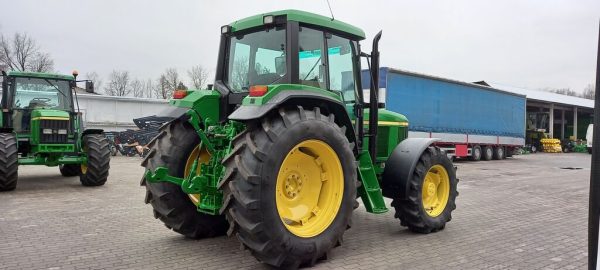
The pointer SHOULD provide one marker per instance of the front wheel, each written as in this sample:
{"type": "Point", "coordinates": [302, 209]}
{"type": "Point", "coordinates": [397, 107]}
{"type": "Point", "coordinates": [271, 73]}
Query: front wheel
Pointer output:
{"type": "Point", "coordinates": [432, 194]}
{"type": "Point", "coordinates": [9, 162]}
{"type": "Point", "coordinates": [95, 171]}
{"type": "Point", "coordinates": [290, 187]}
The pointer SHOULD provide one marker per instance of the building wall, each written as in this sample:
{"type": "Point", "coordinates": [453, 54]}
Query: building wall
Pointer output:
{"type": "Point", "coordinates": [117, 113]}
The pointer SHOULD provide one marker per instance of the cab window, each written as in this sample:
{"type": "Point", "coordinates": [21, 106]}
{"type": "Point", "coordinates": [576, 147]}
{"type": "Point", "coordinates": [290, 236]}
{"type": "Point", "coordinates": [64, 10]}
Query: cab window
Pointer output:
{"type": "Point", "coordinates": [340, 52]}
{"type": "Point", "coordinates": [311, 69]}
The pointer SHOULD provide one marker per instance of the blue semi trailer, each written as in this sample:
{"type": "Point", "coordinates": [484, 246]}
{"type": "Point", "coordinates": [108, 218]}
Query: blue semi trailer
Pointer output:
{"type": "Point", "coordinates": [471, 120]}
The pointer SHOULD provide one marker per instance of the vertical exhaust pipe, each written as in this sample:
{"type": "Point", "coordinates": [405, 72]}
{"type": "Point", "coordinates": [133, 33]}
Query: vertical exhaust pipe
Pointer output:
{"type": "Point", "coordinates": [594, 207]}
{"type": "Point", "coordinates": [374, 97]}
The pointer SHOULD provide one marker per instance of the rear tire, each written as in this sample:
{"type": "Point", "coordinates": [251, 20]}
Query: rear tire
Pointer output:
{"type": "Point", "coordinates": [68, 170]}
{"type": "Point", "coordinates": [95, 172]}
{"type": "Point", "coordinates": [171, 148]}
{"type": "Point", "coordinates": [9, 162]}
{"type": "Point", "coordinates": [251, 187]}
{"type": "Point", "coordinates": [498, 153]}
{"type": "Point", "coordinates": [411, 211]}
{"type": "Point", "coordinates": [488, 153]}
{"type": "Point", "coordinates": [475, 153]}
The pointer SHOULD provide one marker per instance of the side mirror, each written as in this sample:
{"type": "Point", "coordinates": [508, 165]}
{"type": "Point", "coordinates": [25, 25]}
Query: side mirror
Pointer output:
{"type": "Point", "coordinates": [89, 86]}
{"type": "Point", "coordinates": [280, 65]}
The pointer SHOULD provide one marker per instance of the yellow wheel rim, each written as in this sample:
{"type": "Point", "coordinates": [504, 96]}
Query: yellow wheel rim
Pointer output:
{"type": "Point", "coordinates": [309, 189]}
{"type": "Point", "coordinates": [83, 168]}
{"type": "Point", "coordinates": [201, 154]}
{"type": "Point", "coordinates": [436, 190]}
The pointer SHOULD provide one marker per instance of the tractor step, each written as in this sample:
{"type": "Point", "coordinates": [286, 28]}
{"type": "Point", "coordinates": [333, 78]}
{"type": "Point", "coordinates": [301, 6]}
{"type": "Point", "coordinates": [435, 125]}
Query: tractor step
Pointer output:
{"type": "Point", "coordinates": [369, 191]}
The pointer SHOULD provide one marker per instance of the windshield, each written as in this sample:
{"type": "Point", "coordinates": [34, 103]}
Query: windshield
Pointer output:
{"type": "Point", "coordinates": [38, 93]}
{"type": "Point", "coordinates": [256, 59]}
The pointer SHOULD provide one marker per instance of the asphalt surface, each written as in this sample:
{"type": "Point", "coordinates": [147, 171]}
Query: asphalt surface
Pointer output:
{"type": "Point", "coordinates": [526, 212]}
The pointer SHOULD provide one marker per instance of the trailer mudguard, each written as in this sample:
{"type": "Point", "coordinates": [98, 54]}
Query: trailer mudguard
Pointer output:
{"type": "Point", "coordinates": [401, 164]}
{"type": "Point", "coordinates": [293, 98]}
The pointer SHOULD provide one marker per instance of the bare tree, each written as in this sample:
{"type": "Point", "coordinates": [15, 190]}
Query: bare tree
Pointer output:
{"type": "Point", "coordinates": [118, 84]}
{"type": "Point", "coordinates": [23, 54]}
{"type": "Point", "coordinates": [161, 90]}
{"type": "Point", "coordinates": [94, 77]}
{"type": "Point", "coordinates": [199, 76]}
{"type": "Point", "coordinates": [149, 89]}
{"type": "Point", "coordinates": [562, 91]}
{"type": "Point", "coordinates": [589, 91]}
{"type": "Point", "coordinates": [167, 83]}
{"type": "Point", "coordinates": [137, 88]}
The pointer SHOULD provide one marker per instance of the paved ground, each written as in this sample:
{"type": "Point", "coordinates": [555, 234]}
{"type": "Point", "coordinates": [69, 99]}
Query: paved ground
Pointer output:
{"type": "Point", "coordinates": [521, 213]}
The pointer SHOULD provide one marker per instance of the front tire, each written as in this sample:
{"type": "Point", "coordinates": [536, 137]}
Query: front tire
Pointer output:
{"type": "Point", "coordinates": [308, 154]}
{"type": "Point", "coordinates": [171, 148]}
{"type": "Point", "coordinates": [432, 194]}
{"type": "Point", "coordinates": [95, 171]}
{"type": "Point", "coordinates": [498, 153]}
{"type": "Point", "coordinates": [9, 162]}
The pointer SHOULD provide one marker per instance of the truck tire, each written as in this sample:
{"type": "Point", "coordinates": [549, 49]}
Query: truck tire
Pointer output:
{"type": "Point", "coordinates": [498, 153]}
{"type": "Point", "coordinates": [172, 148]}
{"type": "Point", "coordinates": [488, 153]}
{"type": "Point", "coordinates": [95, 172]}
{"type": "Point", "coordinates": [273, 169]}
{"type": "Point", "coordinates": [69, 170]}
{"type": "Point", "coordinates": [429, 205]}
{"type": "Point", "coordinates": [475, 153]}
{"type": "Point", "coordinates": [9, 162]}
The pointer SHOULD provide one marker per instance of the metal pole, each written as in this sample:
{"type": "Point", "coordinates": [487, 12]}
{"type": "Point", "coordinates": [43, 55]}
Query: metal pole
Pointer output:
{"type": "Point", "coordinates": [594, 207]}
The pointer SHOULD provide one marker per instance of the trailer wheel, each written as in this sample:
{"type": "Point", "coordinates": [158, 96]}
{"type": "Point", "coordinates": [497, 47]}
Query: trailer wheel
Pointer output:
{"type": "Point", "coordinates": [176, 147]}
{"type": "Point", "coordinates": [475, 153]}
{"type": "Point", "coordinates": [9, 162]}
{"type": "Point", "coordinates": [95, 171]}
{"type": "Point", "coordinates": [432, 194]}
{"type": "Point", "coordinates": [290, 187]}
{"type": "Point", "coordinates": [488, 153]}
{"type": "Point", "coordinates": [498, 153]}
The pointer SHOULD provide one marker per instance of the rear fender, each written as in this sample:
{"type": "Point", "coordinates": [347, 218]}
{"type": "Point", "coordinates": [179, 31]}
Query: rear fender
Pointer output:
{"type": "Point", "coordinates": [306, 99]}
{"type": "Point", "coordinates": [401, 164]}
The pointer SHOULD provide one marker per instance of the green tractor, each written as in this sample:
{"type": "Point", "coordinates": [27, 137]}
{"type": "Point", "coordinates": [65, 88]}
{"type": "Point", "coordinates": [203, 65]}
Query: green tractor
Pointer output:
{"type": "Point", "coordinates": [40, 126]}
{"type": "Point", "coordinates": [278, 150]}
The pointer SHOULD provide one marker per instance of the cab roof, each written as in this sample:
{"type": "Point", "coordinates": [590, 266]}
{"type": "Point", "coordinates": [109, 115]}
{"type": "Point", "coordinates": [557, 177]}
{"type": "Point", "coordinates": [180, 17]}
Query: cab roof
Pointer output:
{"type": "Point", "coordinates": [302, 17]}
{"type": "Point", "coordinates": [42, 75]}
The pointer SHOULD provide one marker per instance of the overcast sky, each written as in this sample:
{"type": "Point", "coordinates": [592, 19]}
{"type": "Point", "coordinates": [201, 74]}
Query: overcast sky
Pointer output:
{"type": "Point", "coordinates": [532, 44]}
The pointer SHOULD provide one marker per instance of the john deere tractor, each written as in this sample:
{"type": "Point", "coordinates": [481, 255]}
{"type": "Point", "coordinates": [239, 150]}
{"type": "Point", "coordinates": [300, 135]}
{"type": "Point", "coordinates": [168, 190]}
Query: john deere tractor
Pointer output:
{"type": "Point", "coordinates": [280, 148]}
{"type": "Point", "coordinates": [39, 125]}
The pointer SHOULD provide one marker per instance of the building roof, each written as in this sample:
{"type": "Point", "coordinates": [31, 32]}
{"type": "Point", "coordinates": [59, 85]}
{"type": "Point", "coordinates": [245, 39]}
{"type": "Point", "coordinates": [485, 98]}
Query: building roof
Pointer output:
{"type": "Point", "coordinates": [544, 96]}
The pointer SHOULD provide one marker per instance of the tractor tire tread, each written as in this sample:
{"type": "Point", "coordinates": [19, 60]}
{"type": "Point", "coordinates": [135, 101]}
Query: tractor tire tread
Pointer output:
{"type": "Point", "coordinates": [9, 162]}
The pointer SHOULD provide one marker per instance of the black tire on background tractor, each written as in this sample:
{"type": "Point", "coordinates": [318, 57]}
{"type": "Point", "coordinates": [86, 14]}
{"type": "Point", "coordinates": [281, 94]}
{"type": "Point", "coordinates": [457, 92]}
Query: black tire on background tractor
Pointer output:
{"type": "Point", "coordinates": [69, 170]}
{"type": "Point", "coordinates": [498, 152]}
{"type": "Point", "coordinates": [487, 153]}
{"type": "Point", "coordinates": [411, 211]}
{"type": "Point", "coordinates": [475, 153]}
{"type": "Point", "coordinates": [171, 149]}
{"type": "Point", "coordinates": [95, 173]}
{"type": "Point", "coordinates": [255, 180]}
{"type": "Point", "coordinates": [9, 162]}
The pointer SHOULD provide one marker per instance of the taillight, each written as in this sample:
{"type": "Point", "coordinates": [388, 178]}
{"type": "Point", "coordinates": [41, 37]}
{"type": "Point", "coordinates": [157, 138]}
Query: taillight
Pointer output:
{"type": "Point", "coordinates": [258, 90]}
{"type": "Point", "coordinates": [179, 94]}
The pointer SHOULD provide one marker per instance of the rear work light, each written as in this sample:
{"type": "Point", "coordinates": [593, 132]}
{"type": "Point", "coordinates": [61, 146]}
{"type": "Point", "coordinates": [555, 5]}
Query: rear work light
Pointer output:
{"type": "Point", "coordinates": [258, 90]}
{"type": "Point", "coordinates": [179, 94]}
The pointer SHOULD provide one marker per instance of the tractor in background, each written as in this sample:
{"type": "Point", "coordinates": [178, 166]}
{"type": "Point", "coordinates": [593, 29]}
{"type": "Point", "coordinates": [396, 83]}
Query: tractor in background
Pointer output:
{"type": "Point", "coordinates": [40, 124]}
